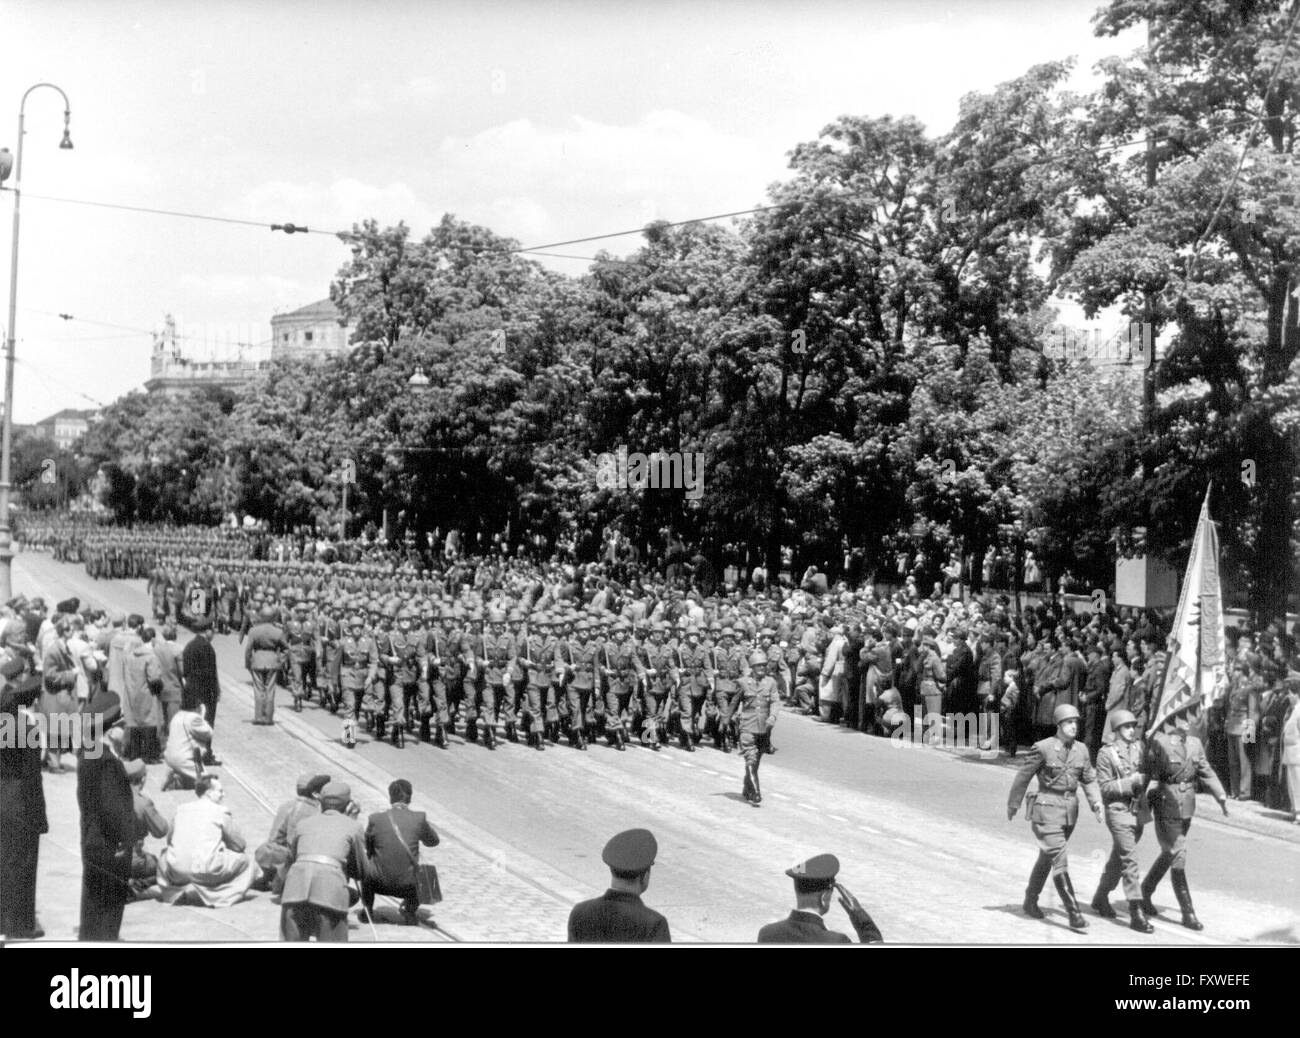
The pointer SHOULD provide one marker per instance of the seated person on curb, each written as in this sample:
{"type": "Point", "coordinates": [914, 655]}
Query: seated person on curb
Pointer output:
{"type": "Point", "coordinates": [148, 822]}
{"type": "Point", "coordinates": [189, 736]}
{"type": "Point", "coordinates": [205, 859]}
{"type": "Point", "coordinates": [273, 856]}
{"type": "Point", "coordinates": [393, 841]}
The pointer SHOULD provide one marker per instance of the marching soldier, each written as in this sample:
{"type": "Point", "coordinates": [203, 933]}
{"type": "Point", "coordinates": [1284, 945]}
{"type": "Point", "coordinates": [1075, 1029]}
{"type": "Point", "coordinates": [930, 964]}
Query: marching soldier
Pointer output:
{"type": "Point", "coordinates": [1061, 764]}
{"type": "Point", "coordinates": [499, 652]}
{"type": "Point", "coordinates": [480, 695]}
{"type": "Point", "coordinates": [358, 663]}
{"type": "Point", "coordinates": [755, 706]}
{"type": "Point", "coordinates": [375, 706]}
{"type": "Point", "coordinates": [536, 658]}
{"type": "Point", "coordinates": [659, 679]}
{"type": "Point", "coordinates": [408, 689]}
{"type": "Point", "coordinates": [1177, 761]}
{"type": "Point", "coordinates": [440, 652]}
{"type": "Point", "coordinates": [300, 637]}
{"type": "Point", "coordinates": [1123, 790]}
{"type": "Point", "coordinates": [730, 664]}
{"type": "Point", "coordinates": [693, 667]}
{"type": "Point", "coordinates": [618, 668]}
{"type": "Point", "coordinates": [581, 654]}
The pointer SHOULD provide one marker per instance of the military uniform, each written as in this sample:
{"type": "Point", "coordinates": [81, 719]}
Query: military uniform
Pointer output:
{"type": "Point", "coordinates": [408, 688]}
{"type": "Point", "coordinates": [582, 656]}
{"type": "Point", "coordinates": [1060, 768]}
{"type": "Point", "coordinates": [730, 664]}
{"type": "Point", "coordinates": [1120, 774]}
{"type": "Point", "coordinates": [1177, 762]}
{"type": "Point", "coordinates": [657, 670]}
{"type": "Point", "coordinates": [328, 850]}
{"type": "Point", "coordinates": [537, 658]}
{"type": "Point", "coordinates": [804, 925]}
{"type": "Point", "coordinates": [757, 702]}
{"type": "Point", "coordinates": [357, 662]}
{"type": "Point", "coordinates": [693, 666]}
{"type": "Point", "coordinates": [620, 916]}
{"type": "Point", "coordinates": [618, 667]}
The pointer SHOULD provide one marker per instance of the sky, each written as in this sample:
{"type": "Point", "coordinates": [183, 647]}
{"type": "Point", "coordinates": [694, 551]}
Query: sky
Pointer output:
{"type": "Point", "coordinates": [544, 121]}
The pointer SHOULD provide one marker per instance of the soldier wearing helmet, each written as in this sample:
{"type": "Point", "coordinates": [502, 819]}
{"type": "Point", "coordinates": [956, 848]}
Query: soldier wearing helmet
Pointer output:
{"type": "Point", "coordinates": [1060, 764]}
{"type": "Point", "coordinates": [357, 664]}
{"type": "Point", "coordinates": [619, 671]}
{"type": "Point", "coordinates": [692, 660]}
{"type": "Point", "coordinates": [730, 663]}
{"type": "Point", "coordinates": [658, 682]}
{"type": "Point", "coordinates": [580, 654]}
{"type": "Point", "coordinates": [1122, 775]}
{"type": "Point", "coordinates": [407, 657]}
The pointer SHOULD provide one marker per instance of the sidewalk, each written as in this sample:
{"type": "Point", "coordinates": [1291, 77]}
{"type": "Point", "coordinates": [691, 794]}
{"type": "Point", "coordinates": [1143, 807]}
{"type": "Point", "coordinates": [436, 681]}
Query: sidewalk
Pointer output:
{"type": "Point", "coordinates": [58, 887]}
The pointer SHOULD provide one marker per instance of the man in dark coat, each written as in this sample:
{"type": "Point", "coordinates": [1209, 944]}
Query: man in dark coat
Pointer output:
{"type": "Point", "coordinates": [199, 667]}
{"type": "Point", "coordinates": [963, 675]}
{"type": "Point", "coordinates": [619, 916]}
{"type": "Point", "coordinates": [264, 655]}
{"type": "Point", "coordinates": [107, 826]}
{"type": "Point", "coordinates": [814, 882]}
{"type": "Point", "coordinates": [393, 841]}
{"type": "Point", "coordinates": [22, 805]}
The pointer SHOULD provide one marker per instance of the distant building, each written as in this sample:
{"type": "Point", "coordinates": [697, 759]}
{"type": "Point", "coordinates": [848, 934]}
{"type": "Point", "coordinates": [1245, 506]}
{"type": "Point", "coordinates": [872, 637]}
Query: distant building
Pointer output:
{"type": "Point", "coordinates": [310, 332]}
{"type": "Point", "coordinates": [66, 427]}
{"type": "Point", "coordinates": [171, 372]}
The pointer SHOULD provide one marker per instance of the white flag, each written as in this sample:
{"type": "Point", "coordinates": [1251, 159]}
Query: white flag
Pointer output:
{"type": "Point", "coordinates": [1196, 664]}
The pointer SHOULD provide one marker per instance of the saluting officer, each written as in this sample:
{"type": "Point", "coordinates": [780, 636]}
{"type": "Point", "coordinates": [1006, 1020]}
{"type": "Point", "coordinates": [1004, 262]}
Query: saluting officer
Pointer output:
{"type": "Point", "coordinates": [814, 882]}
{"type": "Point", "coordinates": [1061, 765]}
{"type": "Point", "coordinates": [1177, 761]}
{"type": "Point", "coordinates": [1121, 775]}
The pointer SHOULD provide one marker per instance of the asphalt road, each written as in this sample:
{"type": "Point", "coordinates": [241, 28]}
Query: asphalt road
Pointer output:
{"type": "Point", "coordinates": [922, 833]}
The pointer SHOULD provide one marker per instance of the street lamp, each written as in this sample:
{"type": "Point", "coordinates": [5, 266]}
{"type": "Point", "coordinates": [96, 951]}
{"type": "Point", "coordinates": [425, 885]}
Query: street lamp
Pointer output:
{"type": "Point", "coordinates": [6, 438]}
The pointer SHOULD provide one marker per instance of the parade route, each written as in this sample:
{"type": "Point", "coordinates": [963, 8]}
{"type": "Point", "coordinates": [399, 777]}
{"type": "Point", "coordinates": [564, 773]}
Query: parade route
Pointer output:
{"type": "Point", "coordinates": [922, 834]}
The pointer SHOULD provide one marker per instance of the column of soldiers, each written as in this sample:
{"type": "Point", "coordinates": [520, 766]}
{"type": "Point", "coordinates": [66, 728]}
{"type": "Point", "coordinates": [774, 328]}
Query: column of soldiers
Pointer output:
{"type": "Point", "coordinates": [1131, 785]}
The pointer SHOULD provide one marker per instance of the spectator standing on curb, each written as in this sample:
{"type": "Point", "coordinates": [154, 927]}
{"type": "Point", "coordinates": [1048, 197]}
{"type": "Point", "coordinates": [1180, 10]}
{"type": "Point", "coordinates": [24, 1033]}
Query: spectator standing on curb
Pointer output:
{"type": "Point", "coordinates": [22, 806]}
{"type": "Point", "coordinates": [199, 669]}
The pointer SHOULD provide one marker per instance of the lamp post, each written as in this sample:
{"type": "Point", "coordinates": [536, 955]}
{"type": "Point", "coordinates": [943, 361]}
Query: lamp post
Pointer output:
{"type": "Point", "coordinates": [7, 436]}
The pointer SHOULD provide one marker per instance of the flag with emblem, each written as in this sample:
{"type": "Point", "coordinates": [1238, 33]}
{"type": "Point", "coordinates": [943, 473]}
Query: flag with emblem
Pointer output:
{"type": "Point", "coordinates": [1196, 659]}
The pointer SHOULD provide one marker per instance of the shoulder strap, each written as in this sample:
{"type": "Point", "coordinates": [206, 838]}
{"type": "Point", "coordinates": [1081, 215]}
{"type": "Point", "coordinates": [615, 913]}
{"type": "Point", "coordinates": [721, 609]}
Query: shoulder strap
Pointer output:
{"type": "Point", "coordinates": [401, 839]}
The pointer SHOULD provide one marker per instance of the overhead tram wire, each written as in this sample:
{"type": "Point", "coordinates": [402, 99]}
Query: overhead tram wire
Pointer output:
{"type": "Point", "coordinates": [539, 249]}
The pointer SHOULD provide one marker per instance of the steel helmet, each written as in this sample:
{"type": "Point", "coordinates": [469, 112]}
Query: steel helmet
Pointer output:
{"type": "Point", "coordinates": [1064, 713]}
{"type": "Point", "coordinates": [1120, 718]}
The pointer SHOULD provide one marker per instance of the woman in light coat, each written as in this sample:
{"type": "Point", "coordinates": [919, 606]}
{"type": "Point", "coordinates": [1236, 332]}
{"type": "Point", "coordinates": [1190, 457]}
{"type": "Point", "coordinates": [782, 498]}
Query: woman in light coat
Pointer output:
{"type": "Point", "coordinates": [1291, 751]}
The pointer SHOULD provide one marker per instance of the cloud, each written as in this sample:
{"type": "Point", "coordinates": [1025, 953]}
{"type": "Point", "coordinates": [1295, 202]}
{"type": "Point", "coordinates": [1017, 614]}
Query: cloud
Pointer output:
{"type": "Point", "coordinates": [336, 206]}
{"type": "Point", "coordinates": [547, 180]}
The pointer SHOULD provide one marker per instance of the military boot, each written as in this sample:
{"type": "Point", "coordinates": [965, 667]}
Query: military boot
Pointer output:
{"type": "Point", "coordinates": [1101, 903]}
{"type": "Point", "coordinates": [1036, 880]}
{"type": "Point", "coordinates": [1152, 881]}
{"type": "Point", "coordinates": [1066, 892]}
{"type": "Point", "coordinates": [1184, 896]}
{"type": "Point", "coordinates": [1137, 919]}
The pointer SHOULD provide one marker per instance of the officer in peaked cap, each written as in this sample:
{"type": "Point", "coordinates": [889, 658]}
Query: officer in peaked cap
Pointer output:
{"type": "Point", "coordinates": [814, 882]}
{"type": "Point", "coordinates": [619, 916]}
